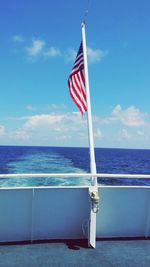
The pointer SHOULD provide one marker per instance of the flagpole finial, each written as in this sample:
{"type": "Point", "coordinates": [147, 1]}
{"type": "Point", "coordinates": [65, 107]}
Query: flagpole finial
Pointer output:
{"type": "Point", "coordinates": [83, 23]}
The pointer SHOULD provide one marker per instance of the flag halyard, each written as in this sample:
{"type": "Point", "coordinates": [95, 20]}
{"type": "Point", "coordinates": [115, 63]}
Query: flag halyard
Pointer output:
{"type": "Point", "coordinates": [76, 82]}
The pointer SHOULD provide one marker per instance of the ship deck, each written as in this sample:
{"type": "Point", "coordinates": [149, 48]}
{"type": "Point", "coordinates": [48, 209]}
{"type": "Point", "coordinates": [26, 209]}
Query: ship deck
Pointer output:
{"type": "Point", "coordinates": [76, 253]}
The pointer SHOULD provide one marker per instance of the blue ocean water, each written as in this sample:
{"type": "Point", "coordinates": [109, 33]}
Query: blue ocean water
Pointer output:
{"type": "Point", "coordinates": [20, 159]}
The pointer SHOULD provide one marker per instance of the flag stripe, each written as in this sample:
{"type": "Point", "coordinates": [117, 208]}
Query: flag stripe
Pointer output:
{"type": "Point", "coordinates": [79, 88]}
{"type": "Point", "coordinates": [78, 94]}
{"type": "Point", "coordinates": [82, 81]}
{"type": "Point", "coordinates": [79, 64]}
{"type": "Point", "coordinates": [76, 82]}
{"type": "Point", "coordinates": [77, 97]}
{"type": "Point", "coordinates": [75, 91]}
{"type": "Point", "coordinates": [76, 100]}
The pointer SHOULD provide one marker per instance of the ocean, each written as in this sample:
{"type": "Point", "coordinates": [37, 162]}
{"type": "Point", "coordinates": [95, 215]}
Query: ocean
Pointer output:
{"type": "Point", "coordinates": [23, 159]}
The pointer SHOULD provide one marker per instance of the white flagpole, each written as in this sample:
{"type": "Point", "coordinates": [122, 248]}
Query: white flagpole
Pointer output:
{"type": "Point", "coordinates": [93, 188]}
{"type": "Point", "coordinates": [89, 113]}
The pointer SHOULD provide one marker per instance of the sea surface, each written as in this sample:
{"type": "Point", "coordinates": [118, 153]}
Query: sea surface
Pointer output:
{"type": "Point", "coordinates": [21, 159]}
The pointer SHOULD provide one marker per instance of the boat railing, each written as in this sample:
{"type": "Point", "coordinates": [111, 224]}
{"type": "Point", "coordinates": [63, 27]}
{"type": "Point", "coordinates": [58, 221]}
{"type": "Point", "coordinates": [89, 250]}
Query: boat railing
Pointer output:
{"type": "Point", "coordinates": [46, 212]}
{"type": "Point", "coordinates": [75, 175]}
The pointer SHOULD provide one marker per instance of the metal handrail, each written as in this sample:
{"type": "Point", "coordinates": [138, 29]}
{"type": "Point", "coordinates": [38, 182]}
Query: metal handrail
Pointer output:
{"type": "Point", "coordinates": [74, 175]}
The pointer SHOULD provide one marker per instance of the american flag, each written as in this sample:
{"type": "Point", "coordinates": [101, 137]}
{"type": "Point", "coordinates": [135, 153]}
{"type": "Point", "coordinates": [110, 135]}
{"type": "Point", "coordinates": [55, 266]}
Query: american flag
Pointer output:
{"type": "Point", "coordinates": [76, 82]}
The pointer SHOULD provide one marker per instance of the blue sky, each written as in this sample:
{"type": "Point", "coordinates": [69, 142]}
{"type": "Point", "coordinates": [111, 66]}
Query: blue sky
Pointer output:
{"type": "Point", "coordinates": [39, 40]}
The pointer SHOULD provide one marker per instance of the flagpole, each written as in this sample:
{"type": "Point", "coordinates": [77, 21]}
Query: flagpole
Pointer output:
{"type": "Point", "coordinates": [89, 113]}
{"type": "Point", "coordinates": [93, 190]}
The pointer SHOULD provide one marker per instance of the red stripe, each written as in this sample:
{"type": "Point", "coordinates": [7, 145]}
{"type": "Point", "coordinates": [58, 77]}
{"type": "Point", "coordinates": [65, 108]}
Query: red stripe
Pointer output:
{"type": "Point", "coordinates": [83, 81]}
{"type": "Point", "coordinates": [77, 95]}
{"type": "Point", "coordinates": [77, 68]}
{"type": "Point", "coordinates": [74, 99]}
{"type": "Point", "coordinates": [81, 89]}
{"type": "Point", "coordinates": [71, 86]}
{"type": "Point", "coordinates": [76, 103]}
{"type": "Point", "coordinates": [78, 61]}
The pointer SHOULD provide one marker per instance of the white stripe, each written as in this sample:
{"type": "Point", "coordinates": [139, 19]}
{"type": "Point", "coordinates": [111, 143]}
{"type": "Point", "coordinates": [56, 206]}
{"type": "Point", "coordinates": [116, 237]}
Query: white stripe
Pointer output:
{"type": "Point", "coordinates": [77, 90]}
{"type": "Point", "coordinates": [84, 80]}
{"type": "Point", "coordinates": [81, 81]}
{"type": "Point", "coordinates": [78, 67]}
{"type": "Point", "coordinates": [81, 54]}
{"type": "Point", "coordinates": [75, 97]}
{"type": "Point", "coordinates": [74, 70]}
{"type": "Point", "coordinates": [77, 100]}
{"type": "Point", "coordinates": [78, 61]}
{"type": "Point", "coordinates": [78, 58]}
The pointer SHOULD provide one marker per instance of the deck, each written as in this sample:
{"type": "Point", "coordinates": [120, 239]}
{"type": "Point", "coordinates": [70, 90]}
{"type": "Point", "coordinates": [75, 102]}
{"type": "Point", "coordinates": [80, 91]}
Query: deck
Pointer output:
{"type": "Point", "coordinates": [117, 253]}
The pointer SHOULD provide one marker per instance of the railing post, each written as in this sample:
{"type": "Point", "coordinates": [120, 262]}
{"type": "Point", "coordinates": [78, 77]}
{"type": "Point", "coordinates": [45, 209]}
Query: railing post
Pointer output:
{"type": "Point", "coordinates": [32, 215]}
{"type": "Point", "coordinates": [147, 228]}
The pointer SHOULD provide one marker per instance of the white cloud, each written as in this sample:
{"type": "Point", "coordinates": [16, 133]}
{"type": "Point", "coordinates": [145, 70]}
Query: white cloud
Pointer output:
{"type": "Point", "coordinates": [52, 128]}
{"type": "Point", "coordinates": [98, 134]}
{"type": "Point", "coordinates": [124, 134]}
{"type": "Point", "coordinates": [60, 127]}
{"type": "Point", "coordinates": [71, 54]}
{"type": "Point", "coordinates": [21, 134]}
{"type": "Point", "coordinates": [133, 135]}
{"type": "Point", "coordinates": [54, 122]}
{"type": "Point", "coordinates": [41, 120]}
{"type": "Point", "coordinates": [57, 127]}
{"type": "Point", "coordinates": [52, 52]}
{"type": "Point", "coordinates": [125, 127]}
{"type": "Point", "coordinates": [131, 116]}
{"type": "Point", "coordinates": [2, 130]}
{"type": "Point", "coordinates": [39, 47]}
{"type": "Point", "coordinates": [116, 110]}
{"type": "Point", "coordinates": [36, 48]}
{"type": "Point", "coordinates": [96, 55]}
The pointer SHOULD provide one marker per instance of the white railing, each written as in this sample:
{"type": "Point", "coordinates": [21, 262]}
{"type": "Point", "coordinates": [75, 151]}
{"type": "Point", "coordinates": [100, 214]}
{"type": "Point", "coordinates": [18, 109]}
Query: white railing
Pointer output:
{"type": "Point", "coordinates": [56, 212]}
{"type": "Point", "coordinates": [87, 183]}
{"type": "Point", "coordinates": [74, 175]}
